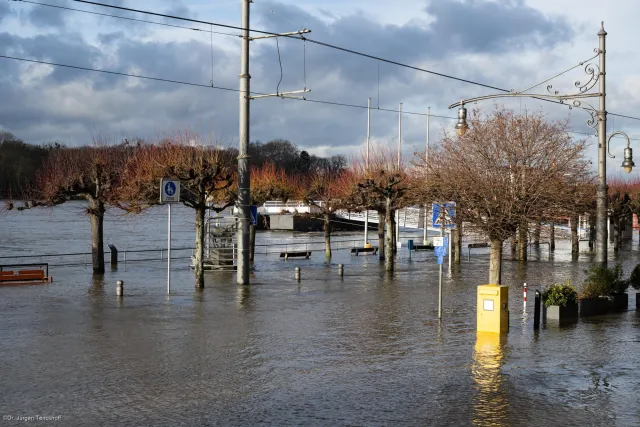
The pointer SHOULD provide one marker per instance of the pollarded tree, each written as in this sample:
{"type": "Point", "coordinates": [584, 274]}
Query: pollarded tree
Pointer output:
{"type": "Point", "coordinates": [92, 173]}
{"type": "Point", "coordinates": [205, 173]}
{"type": "Point", "coordinates": [384, 182]}
{"type": "Point", "coordinates": [269, 183]}
{"type": "Point", "coordinates": [325, 190]}
{"type": "Point", "coordinates": [506, 171]}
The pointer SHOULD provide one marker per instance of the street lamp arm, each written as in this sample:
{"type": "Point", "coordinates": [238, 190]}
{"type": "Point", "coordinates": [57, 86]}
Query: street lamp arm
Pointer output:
{"type": "Point", "coordinates": [560, 98]}
{"type": "Point", "coordinates": [609, 142]}
{"type": "Point", "coordinates": [627, 164]}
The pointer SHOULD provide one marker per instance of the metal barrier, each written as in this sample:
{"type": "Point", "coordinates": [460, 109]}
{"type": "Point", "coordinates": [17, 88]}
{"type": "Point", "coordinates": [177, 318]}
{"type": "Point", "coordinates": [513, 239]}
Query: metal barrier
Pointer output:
{"type": "Point", "coordinates": [475, 246]}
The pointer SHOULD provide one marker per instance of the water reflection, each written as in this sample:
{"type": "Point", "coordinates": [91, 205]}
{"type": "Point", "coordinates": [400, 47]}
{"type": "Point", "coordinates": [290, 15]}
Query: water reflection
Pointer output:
{"type": "Point", "coordinates": [490, 402]}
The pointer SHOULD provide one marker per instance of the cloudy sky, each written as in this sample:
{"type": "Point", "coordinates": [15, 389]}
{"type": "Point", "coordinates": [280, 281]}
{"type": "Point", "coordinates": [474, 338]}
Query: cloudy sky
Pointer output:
{"type": "Point", "coordinates": [510, 44]}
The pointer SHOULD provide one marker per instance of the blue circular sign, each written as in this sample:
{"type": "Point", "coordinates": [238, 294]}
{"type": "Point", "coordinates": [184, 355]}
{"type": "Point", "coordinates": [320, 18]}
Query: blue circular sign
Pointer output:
{"type": "Point", "coordinates": [169, 189]}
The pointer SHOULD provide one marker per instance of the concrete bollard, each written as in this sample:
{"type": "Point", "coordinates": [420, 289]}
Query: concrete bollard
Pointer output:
{"type": "Point", "coordinates": [340, 270]}
{"type": "Point", "coordinates": [536, 310]}
{"type": "Point", "coordinates": [119, 288]}
{"type": "Point", "coordinates": [296, 273]}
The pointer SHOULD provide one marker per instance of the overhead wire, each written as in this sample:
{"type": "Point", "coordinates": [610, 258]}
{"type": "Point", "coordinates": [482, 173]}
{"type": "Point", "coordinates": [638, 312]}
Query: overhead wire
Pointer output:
{"type": "Point", "coordinates": [126, 18]}
{"type": "Point", "coordinates": [351, 51]}
{"type": "Point", "coordinates": [159, 79]}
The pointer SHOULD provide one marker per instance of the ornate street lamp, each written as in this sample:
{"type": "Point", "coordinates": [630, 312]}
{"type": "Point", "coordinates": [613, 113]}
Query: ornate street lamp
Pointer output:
{"type": "Point", "coordinates": [627, 164]}
{"type": "Point", "coordinates": [597, 121]}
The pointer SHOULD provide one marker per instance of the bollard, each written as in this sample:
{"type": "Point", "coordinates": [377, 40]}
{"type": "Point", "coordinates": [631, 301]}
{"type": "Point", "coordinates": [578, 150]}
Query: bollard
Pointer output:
{"type": "Point", "coordinates": [340, 270]}
{"type": "Point", "coordinates": [296, 273]}
{"type": "Point", "coordinates": [536, 311]}
{"type": "Point", "coordinates": [525, 294]}
{"type": "Point", "coordinates": [119, 288]}
{"type": "Point", "coordinates": [114, 255]}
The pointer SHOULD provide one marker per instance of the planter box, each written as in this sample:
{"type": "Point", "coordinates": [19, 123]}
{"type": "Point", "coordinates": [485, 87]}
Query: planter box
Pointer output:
{"type": "Point", "coordinates": [594, 306]}
{"type": "Point", "coordinates": [620, 302]}
{"type": "Point", "coordinates": [562, 314]}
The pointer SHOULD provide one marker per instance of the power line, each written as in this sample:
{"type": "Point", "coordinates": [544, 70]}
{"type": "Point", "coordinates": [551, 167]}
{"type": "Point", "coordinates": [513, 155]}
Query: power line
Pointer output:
{"type": "Point", "coordinates": [351, 51]}
{"type": "Point", "coordinates": [126, 18]}
{"type": "Point", "coordinates": [314, 101]}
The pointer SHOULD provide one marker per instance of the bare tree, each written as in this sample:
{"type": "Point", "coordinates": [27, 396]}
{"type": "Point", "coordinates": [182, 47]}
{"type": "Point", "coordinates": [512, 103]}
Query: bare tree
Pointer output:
{"type": "Point", "coordinates": [205, 173]}
{"type": "Point", "coordinates": [505, 171]}
{"type": "Point", "coordinates": [92, 173]}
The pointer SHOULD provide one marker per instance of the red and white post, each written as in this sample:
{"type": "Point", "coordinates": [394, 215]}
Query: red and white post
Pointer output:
{"type": "Point", "coordinates": [525, 295]}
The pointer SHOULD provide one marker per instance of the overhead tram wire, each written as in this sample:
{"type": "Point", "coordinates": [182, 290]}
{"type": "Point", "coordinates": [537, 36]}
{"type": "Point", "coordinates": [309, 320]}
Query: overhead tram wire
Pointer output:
{"type": "Point", "coordinates": [159, 79]}
{"type": "Point", "coordinates": [328, 45]}
{"type": "Point", "coordinates": [126, 18]}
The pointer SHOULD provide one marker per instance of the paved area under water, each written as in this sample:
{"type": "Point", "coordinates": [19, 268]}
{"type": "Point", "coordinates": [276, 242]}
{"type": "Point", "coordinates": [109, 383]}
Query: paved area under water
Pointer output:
{"type": "Point", "coordinates": [365, 349]}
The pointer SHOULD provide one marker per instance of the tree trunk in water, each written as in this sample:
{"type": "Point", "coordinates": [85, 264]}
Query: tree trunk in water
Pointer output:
{"type": "Point", "coordinates": [495, 262]}
{"type": "Point", "coordinates": [514, 246]}
{"type": "Point", "coordinates": [380, 236]}
{"type": "Point", "coordinates": [536, 234]}
{"type": "Point", "coordinates": [456, 244]}
{"type": "Point", "coordinates": [388, 249]}
{"type": "Point", "coordinates": [522, 242]}
{"type": "Point", "coordinates": [394, 246]}
{"type": "Point", "coordinates": [575, 244]}
{"type": "Point", "coordinates": [327, 235]}
{"type": "Point", "coordinates": [96, 213]}
{"type": "Point", "coordinates": [252, 241]}
{"type": "Point", "coordinates": [199, 266]}
{"type": "Point", "coordinates": [552, 236]}
{"type": "Point", "coordinates": [616, 234]}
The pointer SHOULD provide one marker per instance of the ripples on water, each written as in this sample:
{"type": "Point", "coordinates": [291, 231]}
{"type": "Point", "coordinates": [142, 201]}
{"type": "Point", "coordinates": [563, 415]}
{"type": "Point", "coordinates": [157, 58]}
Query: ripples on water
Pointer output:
{"type": "Point", "coordinates": [363, 350]}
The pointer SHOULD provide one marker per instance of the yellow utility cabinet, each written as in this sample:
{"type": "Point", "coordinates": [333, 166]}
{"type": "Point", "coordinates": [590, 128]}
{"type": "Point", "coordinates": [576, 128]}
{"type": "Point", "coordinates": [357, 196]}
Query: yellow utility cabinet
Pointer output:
{"type": "Point", "coordinates": [493, 308]}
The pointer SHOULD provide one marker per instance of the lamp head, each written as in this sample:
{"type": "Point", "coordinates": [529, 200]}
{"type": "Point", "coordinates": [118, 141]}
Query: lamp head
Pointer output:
{"type": "Point", "coordinates": [461, 126]}
{"type": "Point", "coordinates": [628, 164]}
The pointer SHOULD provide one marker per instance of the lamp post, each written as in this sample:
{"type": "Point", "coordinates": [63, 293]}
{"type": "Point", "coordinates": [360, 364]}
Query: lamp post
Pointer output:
{"type": "Point", "coordinates": [597, 121]}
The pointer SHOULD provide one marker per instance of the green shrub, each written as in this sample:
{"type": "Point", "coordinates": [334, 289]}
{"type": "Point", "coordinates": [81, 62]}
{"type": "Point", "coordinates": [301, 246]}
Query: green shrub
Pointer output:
{"type": "Point", "coordinates": [603, 281]}
{"type": "Point", "coordinates": [560, 294]}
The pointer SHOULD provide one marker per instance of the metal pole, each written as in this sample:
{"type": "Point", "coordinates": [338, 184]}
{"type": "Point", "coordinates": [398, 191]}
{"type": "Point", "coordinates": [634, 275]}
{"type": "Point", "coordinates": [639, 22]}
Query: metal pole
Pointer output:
{"type": "Point", "coordinates": [449, 240]}
{"type": "Point", "coordinates": [399, 157]}
{"type": "Point", "coordinates": [602, 208]}
{"type": "Point", "coordinates": [426, 164]}
{"type": "Point", "coordinates": [536, 310]}
{"type": "Point", "coordinates": [244, 199]}
{"type": "Point", "coordinates": [440, 276]}
{"type": "Point", "coordinates": [169, 251]}
{"type": "Point", "coordinates": [366, 212]}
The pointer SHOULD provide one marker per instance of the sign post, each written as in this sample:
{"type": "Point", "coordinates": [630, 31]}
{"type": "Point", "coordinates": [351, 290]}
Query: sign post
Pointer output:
{"type": "Point", "coordinates": [443, 215]}
{"type": "Point", "coordinates": [169, 193]}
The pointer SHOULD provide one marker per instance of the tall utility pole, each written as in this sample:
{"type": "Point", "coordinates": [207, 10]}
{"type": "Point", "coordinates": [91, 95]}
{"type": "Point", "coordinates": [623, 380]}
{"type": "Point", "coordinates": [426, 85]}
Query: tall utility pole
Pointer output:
{"type": "Point", "coordinates": [244, 198]}
{"type": "Point", "coordinates": [602, 189]}
{"type": "Point", "coordinates": [395, 241]}
{"type": "Point", "coordinates": [426, 166]}
{"type": "Point", "coordinates": [366, 212]}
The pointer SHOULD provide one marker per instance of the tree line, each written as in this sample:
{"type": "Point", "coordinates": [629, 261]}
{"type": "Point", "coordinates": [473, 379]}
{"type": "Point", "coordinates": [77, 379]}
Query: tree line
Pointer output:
{"type": "Point", "coordinates": [508, 172]}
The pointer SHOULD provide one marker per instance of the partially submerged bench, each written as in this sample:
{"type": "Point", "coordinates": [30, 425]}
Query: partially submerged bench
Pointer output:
{"type": "Point", "coordinates": [295, 254]}
{"type": "Point", "coordinates": [422, 247]}
{"type": "Point", "coordinates": [16, 277]}
{"type": "Point", "coordinates": [370, 251]}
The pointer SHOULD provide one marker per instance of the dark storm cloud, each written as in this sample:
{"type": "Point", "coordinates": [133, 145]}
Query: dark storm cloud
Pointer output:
{"type": "Point", "coordinates": [480, 27]}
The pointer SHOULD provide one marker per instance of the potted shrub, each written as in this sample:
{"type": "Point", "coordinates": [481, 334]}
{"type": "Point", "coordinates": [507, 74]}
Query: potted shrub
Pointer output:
{"type": "Point", "coordinates": [602, 290]}
{"type": "Point", "coordinates": [634, 281]}
{"type": "Point", "coordinates": [560, 302]}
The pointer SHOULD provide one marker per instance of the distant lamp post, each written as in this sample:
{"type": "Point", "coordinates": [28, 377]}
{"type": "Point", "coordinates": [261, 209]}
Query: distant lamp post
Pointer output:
{"type": "Point", "coordinates": [627, 164]}
{"type": "Point", "coordinates": [596, 78]}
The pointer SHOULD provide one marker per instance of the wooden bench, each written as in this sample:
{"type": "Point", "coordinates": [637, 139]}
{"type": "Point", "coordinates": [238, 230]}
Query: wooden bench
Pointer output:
{"type": "Point", "coordinates": [294, 254]}
{"type": "Point", "coordinates": [24, 276]}
{"type": "Point", "coordinates": [422, 247]}
{"type": "Point", "coordinates": [370, 250]}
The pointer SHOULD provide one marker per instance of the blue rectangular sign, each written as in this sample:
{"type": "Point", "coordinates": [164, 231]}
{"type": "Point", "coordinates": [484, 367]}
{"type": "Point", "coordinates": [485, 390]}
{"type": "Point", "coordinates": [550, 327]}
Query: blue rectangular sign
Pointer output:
{"type": "Point", "coordinates": [254, 214]}
{"type": "Point", "coordinates": [440, 260]}
{"type": "Point", "coordinates": [441, 251]}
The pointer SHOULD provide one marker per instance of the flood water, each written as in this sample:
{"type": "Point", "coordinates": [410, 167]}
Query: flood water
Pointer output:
{"type": "Point", "coordinates": [365, 349]}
